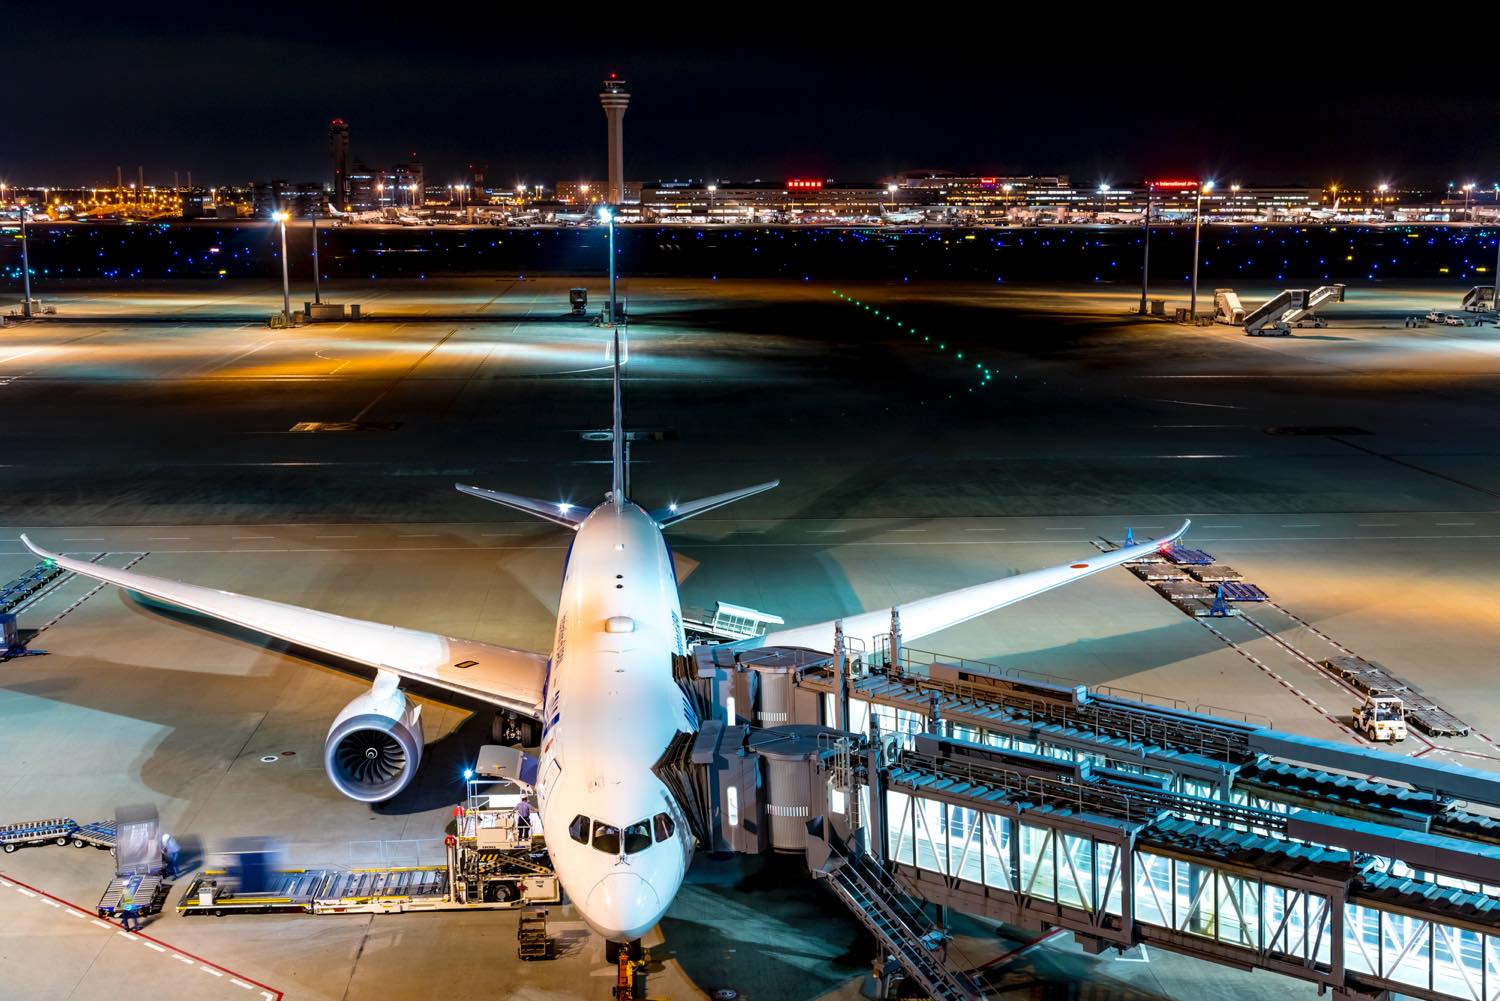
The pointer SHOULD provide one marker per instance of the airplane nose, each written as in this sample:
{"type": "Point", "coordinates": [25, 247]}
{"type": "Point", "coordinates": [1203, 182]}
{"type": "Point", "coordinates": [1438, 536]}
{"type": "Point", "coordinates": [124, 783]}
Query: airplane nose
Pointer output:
{"type": "Point", "coordinates": [624, 905]}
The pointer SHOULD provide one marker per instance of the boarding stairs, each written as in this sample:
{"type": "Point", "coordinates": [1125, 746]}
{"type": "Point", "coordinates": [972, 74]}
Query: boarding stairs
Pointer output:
{"type": "Point", "coordinates": [1227, 307]}
{"type": "Point", "coordinates": [1315, 299]}
{"type": "Point", "coordinates": [1277, 315]}
{"type": "Point", "coordinates": [897, 921]}
{"type": "Point", "coordinates": [1479, 298]}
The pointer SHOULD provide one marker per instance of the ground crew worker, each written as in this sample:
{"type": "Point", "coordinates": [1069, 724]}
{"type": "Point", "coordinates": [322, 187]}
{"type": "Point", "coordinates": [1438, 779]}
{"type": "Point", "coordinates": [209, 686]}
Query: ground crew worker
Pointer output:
{"type": "Point", "coordinates": [130, 919]}
{"type": "Point", "coordinates": [523, 819]}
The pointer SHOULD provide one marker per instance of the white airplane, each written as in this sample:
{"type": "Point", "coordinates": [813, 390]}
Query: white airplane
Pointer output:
{"type": "Point", "coordinates": [606, 698]}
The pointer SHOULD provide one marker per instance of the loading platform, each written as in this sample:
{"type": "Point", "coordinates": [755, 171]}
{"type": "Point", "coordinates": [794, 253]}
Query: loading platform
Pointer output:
{"type": "Point", "coordinates": [322, 891]}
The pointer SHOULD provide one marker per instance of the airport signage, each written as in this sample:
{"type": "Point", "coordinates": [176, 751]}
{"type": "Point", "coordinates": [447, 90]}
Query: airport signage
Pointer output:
{"type": "Point", "coordinates": [797, 184]}
{"type": "Point", "coordinates": [1174, 185]}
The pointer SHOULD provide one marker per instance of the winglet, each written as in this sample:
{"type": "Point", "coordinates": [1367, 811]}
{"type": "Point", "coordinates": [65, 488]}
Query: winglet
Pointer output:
{"type": "Point", "coordinates": [36, 549]}
{"type": "Point", "coordinates": [559, 513]}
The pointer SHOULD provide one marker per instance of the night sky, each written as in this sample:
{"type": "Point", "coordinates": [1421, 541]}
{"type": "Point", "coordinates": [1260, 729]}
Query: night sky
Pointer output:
{"type": "Point", "coordinates": [248, 98]}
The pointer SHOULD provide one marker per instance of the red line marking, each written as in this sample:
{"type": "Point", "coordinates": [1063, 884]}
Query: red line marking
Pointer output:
{"type": "Point", "coordinates": [94, 914]}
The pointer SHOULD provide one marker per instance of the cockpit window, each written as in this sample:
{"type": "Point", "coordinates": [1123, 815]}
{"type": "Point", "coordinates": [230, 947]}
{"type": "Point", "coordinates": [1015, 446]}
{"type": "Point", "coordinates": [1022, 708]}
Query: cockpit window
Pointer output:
{"type": "Point", "coordinates": [638, 837]}
{"type": "Point", "coordinates": [664, 826]}
{"type": "Point", "coordinates": [578, 830]}
{"type": "Point", "coordinates": [606, 838]}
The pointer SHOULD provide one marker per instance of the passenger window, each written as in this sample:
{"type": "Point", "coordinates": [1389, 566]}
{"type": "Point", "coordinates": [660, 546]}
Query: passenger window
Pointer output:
{"type": "Point", "coordinates": [664, 826]}
{"type": "Point", "coordinates": [638, 837]}
{"type": "Point", "coordinates": [578, 830]}
{"type": "Point", "coordinates": [606, 838]}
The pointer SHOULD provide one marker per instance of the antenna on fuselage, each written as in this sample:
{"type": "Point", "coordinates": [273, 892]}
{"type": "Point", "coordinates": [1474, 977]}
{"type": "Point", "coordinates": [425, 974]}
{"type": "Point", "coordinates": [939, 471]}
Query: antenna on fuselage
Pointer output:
{"type": "Point", "coordinates": [617, 483]}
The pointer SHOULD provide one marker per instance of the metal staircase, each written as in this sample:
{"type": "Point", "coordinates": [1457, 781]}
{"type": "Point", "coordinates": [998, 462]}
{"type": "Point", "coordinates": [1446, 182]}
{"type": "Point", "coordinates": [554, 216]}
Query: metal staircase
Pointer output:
{"type": "Point", "coordinates": [1268, 314]}
{"type": "Point", "coordinates": [896, 920]}
{"type": "Point", "coordinates": [1477, 297]}
{"type": "Point", "coordinates": [1317, 297]}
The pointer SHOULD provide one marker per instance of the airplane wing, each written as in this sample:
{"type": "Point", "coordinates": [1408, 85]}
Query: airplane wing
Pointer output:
{"type": "Point", "coordinates": [929, 615]}
{"type": "Point", "coordinates": [494, 674]}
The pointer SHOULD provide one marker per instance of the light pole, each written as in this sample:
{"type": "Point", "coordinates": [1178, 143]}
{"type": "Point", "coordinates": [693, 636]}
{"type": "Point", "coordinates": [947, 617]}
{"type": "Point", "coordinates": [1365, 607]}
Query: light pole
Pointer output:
{"type": "Point", "coordinates": [25, 266]}
{"type": "Point", "coordinates": [1197, 225]}
{"type": "Point", "coordinates": [317, 279]}
{"type": "Point", "coordinates": [1468, 192]}
{"type": "Point", "coordinates": [890, 189]}
{"type": "Point", "coordinates": [1146, 254]}
{"type": "Point", "coordinates": [711, 189]}
{"type": "Point", "coordinates": [607, 216]}
{"type": "Point", "coordinates": [286, 283]}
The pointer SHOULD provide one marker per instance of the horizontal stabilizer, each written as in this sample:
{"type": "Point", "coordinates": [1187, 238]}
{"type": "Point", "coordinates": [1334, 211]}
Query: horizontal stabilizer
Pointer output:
{"type": "Point", "coordinates": [563, 514]}
{"type": "Point", "coordinates": [674, 513]}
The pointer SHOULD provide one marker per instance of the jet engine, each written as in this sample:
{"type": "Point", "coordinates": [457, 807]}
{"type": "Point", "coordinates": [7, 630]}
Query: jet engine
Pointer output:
{"type": "Point", "coordinates": [375, 745]}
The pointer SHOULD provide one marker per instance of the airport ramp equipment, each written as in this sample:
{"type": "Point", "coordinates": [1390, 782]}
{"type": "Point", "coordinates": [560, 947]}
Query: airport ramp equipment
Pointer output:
{"type": "Point", "coordinates": [55, 830]}
{"type": "Point", "coordinates": [1266, 318]}
{"type": "Point", "coordinates": [1297, 316]}
{"type": "Point", "coordinates": [1227, 308]}
{"type": "Point", "coordinates": [1479, 298]}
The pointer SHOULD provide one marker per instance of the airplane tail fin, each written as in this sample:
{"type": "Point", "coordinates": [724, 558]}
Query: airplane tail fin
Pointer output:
{"type": "Point", "coordinates": [562, 514]}
{"type": "Point", "coordinates": [674, 513]}
{"type": "Point", "coordinates": [617, 481]}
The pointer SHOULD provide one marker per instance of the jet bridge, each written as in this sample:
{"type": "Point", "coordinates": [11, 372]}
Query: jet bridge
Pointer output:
{"type": "Point", "coordinates": [913, 780]}
{"type": "Point", "coordinates": [1288, 308]}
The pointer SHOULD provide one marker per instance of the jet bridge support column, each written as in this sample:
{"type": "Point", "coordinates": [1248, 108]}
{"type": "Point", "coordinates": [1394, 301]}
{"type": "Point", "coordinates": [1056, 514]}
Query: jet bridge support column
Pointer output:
{"type": "Point", "coordinates": [894, 654]}
{"type": "Point", "coordinates": [841, 669]}
{"type": "Point", "coordinates": [875, 782]}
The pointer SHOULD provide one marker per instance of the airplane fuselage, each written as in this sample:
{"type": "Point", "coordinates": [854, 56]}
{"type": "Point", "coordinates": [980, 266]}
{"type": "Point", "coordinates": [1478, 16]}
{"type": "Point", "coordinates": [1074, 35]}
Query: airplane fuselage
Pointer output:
{"type": "Point", "coordinates": [617, 838]}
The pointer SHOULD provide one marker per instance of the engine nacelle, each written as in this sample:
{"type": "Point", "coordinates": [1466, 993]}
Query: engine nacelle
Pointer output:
{"type": "Point", "coordinates": [375, 745]}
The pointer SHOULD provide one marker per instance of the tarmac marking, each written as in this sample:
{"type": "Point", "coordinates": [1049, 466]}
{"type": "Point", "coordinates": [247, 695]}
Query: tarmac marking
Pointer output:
{"type": "Point", "coordinates": [1454, 524]}
{"type": "Point", "coordinates": [268, 993]}
{"type": "Point", "coordinates": [1223, 526]}
{"type": "Point", "coordinates": [1311, 524]}
{"type": "Point", "coordinates": [51, 903]}
{"type": "Point", "coordinates": [169, 538]}
{"type": "Point", "coordinates": [83, 540]}
{"type": "Point", "coordinates": [75, 914]}
{"type": "Point", "coordinates": [966, 530]}
{"type": "Point", "coordinates": [211, 970]}
{"type": "Point", "coordinates": [1376, 524]}
{"type": "Point", "coordinates": [4, 883]}
{"type": "Point", "coordinates": [240, 983]}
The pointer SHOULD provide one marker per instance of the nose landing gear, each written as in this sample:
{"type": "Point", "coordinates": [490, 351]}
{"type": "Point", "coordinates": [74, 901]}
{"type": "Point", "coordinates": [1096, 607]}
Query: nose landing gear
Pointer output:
{"type": "Point", "coordinates": [629, 960]}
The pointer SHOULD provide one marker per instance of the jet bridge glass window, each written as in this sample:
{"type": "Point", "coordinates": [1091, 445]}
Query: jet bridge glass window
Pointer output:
{"type": "Point", "coordinates": [606, 838]}
{"type": "Point", "coordinates": [664, 826]}
{"type": "Point", "coordinates": [578, 830]}
{"type": "Point", "coordinates": [638, 837]}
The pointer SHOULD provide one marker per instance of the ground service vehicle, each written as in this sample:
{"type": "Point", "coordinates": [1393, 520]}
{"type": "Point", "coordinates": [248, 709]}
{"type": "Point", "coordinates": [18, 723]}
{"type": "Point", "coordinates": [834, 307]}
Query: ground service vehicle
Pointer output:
{"type": "Point", "coordinates": [1382, 717]}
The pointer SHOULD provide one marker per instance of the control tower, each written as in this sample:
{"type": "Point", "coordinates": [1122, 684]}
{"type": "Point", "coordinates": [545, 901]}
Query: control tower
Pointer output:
{"type": "Point", "coordinates": [615, 99]}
